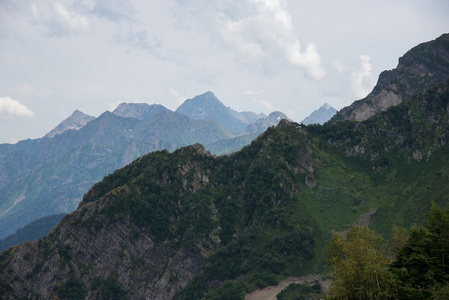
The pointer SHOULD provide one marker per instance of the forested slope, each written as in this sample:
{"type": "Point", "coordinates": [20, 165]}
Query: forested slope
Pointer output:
{"type": "Point", "coordinates": [186, 223]}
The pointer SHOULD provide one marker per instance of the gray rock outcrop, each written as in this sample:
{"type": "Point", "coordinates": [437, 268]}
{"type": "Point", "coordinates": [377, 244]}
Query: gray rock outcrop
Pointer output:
{"type": "Point", "coordinates": [421, 68]}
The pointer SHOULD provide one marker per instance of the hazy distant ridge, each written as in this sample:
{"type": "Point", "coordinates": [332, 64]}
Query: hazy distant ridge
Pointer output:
{"type": "Point", "coordinates": [320, 116]}
{"type": "Point", "coordinates": [49, 176]}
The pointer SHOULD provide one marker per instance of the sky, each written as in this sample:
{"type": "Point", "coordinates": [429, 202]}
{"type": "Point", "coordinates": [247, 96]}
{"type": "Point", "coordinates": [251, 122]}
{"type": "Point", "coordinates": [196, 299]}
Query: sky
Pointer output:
{"type": "Point", "coordinates": [254, 55]}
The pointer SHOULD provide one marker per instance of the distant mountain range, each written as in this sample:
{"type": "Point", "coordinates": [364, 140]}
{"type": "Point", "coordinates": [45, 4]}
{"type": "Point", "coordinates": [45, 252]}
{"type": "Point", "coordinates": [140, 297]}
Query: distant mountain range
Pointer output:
{"type": "Point", "coordinates": [208, 106]}
{"type": "Point", "coordinates": [74, 122]}
{"type": "Point", "coordinates": [320, 116]}
{"type": "Point", "coordinates": [49, 175]}
{"type": "Point", "coordinates": [30, 231]}
{"type": "Point", "coordinates": [190, 225]}
{"type": "Point", "coordinates": [140, 111]}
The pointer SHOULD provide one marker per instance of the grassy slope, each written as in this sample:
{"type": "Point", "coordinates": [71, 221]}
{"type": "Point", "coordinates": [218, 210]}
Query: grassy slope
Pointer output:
{"type": "Point", "coordinates": [347, 189]}
{"type": "Point", "coordinates": [399, 187]}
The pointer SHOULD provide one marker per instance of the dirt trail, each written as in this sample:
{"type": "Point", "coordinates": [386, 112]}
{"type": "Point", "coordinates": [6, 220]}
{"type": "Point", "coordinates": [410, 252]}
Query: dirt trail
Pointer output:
{"type": "Point", "coordinates": [270, 292]}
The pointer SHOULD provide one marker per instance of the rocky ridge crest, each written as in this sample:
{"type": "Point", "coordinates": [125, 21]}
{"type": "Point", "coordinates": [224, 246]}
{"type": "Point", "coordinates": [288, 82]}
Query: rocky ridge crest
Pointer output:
{"type": "Point", "coordinates": [421, 68]}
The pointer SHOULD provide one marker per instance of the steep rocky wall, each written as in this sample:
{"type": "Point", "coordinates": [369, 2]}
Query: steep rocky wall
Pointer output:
{"type": "Point", "coordinates": [101, 251]}
{"type": "Point", "coordinates": [421, 68]}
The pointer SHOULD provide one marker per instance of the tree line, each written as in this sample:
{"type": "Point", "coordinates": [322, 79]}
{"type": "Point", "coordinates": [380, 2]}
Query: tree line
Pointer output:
{"type": "Point", "coordinates": [413, 264]}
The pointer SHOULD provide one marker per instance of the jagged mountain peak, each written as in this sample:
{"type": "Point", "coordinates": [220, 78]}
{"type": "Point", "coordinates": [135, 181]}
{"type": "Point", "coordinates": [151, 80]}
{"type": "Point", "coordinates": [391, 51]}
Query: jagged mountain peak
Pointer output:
{"type": "Point", "coordinates": [207, 97]}
{"type": "Point", "coordinates": [262, 124]}
{"type": "Point", "coordinates": [141, 111]}
{"type": "Point", "coordinates": [321, 115]}
{"type": "Point", "coordinates": [327, 106]}
{"type": "Point", "coordinates": [201, 106]}
{"type": "Point", "coordinates": [421, 68]}
{"type": "Point", "coordinates": [76, 121]}
{"type": "Point", "coordinates": [207, 105]}
{"type": "Point", "coordinates": [77, 113]}
{"type": "Point", "coordinates": [278, 115]}
{"type": "Point", "coordinates": [252, 116]}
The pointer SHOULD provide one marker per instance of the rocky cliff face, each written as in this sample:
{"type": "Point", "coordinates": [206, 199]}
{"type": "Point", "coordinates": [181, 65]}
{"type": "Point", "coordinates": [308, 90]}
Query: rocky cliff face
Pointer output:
{"type": "Point", "coordinates": [94, 254]}
{"type": "Point", "coordinates": [422, 67]}
{"type": "Point", "coordinates": [94, 261]}
{"type": "Point", "coordinates": [416, 129]}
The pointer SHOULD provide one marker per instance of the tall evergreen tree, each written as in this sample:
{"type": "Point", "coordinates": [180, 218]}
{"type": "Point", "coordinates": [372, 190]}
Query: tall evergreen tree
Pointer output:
{"type": "Point", "coordinates": [421, 267]}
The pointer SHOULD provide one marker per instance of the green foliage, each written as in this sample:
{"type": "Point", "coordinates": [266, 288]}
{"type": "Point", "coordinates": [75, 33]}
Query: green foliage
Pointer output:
{"type": "Point", "coordinates": [194, 290]}
{"type": "Point", "coordinates": [414, 125]}
{"type": "Point", "coordinates": [165, 194]}
{"type": "Point", "coordinates": [108, 289]}
{"type": "Point", "coordinates": [362, 270]}
{"type": "Point", "coordinates": [441, 293]}
{"type": "Point", "coordinates": [398, 240]}
{"type": "Point", "coordinates": [253, 216]}
{"type": "Point", "coordinates": [239, 257]}
{"type": "Point", "coordinates": [229, 291]}
{"type": "Point", "coordinates": [294, 244]}
{"type": "Point", "coordinates": [228, 262]}
{"type": "Point", "coordinates": [74, 288]}
{"type": "Point", "coordinates": [360, 266]}
{"type": "Point", "coordinates": [64, 252]}
{"type": "Point", "coordinates": [261, 279]}
{"type": "Point", "coordinates": [298, 291]}
{"type": "Point", "coordinates": [5, 258]}
{"type": "Point", "coordinates": [4, 288]}
{"type": "Point", "coordinates": [422, 265]}
{"type": "Point", "coordinates": [256, 204]}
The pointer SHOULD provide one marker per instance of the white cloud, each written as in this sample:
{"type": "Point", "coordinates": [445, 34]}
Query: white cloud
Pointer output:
{"type": "Point", "coordinates": [71, 20]}
{"type": "Point", "coordinates": [10, 107]}
{"type": "Point", "coordinates": [309, 61]}
{"type": "Point", "coordinates": [259, 33]}
{"type": "Point", "coordinates": [361, 79]}
{"type": "Point", "coordinates": [55, 18]}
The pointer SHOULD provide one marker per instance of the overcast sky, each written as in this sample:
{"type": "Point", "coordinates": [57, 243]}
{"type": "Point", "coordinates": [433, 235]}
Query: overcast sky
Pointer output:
{"type": "Point", "coordinates": [256, 55]}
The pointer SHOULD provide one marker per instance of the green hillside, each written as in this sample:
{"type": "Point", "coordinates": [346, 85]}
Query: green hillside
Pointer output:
{"type": "Point", "coordinates": [60, 170]}
{"type": "Point", "coordinates": [189, 225]}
